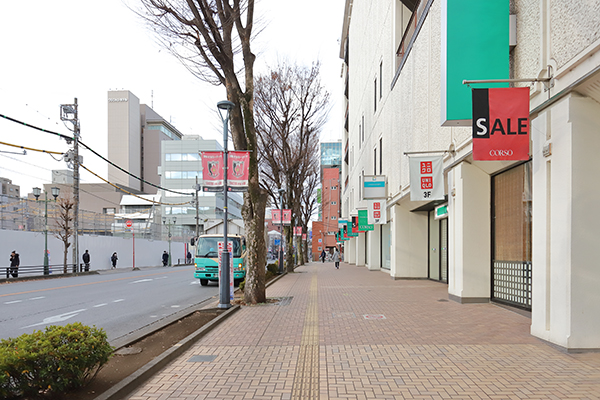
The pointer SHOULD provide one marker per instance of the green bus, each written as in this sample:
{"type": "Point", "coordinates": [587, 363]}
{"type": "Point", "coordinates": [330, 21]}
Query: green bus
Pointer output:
{"type": "Point", "coordinates": [207, 258]}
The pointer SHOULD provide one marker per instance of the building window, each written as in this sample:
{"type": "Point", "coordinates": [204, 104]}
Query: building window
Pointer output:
{"type": "Point", "coordinates": [375, 95]}
{"type": "Point", "coordinates": [333, 203]}
{"type": "Point", "coordinates": [375, 161]}
{"type": "Point", "coordinates": [334, 217]}
{"type": "Point", "coordinates": [380, 155]}
{"type": "Point", "coordinates": [320, 248]}
{"type": "Point", "coordinates": [110, 210]}
{"type": "Point", "coordinates": [363, 128]}
{"type": "Point", "coordinates": [381, 79]}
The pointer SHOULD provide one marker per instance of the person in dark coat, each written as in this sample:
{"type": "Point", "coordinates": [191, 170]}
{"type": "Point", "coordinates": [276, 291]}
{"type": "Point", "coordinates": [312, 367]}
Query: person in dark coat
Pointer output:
{"type": "Point", "coordinates": [165, 258]}
{"type": "Point", "coordinates": [323, 255]}
{"type": "Point", "coordinates": [114, 259]}
{"type": "Point", "coordinates": [14, 264]}
{"type": "Point", "coordinates": [86, 260]}
{"type": "Point", "coordinates": [189, 257]}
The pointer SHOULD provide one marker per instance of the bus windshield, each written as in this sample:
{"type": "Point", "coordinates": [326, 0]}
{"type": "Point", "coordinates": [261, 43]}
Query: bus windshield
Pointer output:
{"type": "Point", "coordinates": [208, 247]}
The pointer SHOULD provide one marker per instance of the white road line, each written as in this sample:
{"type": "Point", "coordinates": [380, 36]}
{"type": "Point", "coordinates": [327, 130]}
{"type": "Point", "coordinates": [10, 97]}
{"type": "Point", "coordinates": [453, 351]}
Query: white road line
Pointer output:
{"type": "Point", "coordinates": [37, 298]}
{"type": "Point", "coordinates": [56, 318]}
{"type": "Point", "coordinates": [141, 280]}
{"type": "Point", "coordinates": [101, 305]}
{"type": "Point", "coordinates": [13, 302]}
{"type": "Point", "coordinates": [118, 300]}
{"type": "Point", "coordinates": [175, 306]}
{"type": "Point", "coordinates": [162, 277]}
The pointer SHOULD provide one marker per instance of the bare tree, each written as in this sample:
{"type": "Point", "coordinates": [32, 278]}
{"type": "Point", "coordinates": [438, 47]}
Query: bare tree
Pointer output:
{"type": "Point", "coordinates": [212, 39]}
{"type": "Point", "coordinates": [64, 222]}
{"type": "Point", "coordinates": [291, 108]}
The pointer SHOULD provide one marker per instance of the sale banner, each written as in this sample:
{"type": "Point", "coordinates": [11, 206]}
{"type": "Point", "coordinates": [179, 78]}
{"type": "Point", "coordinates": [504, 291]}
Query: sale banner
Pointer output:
{"type": "Point", "coordinates": [501, 124]}
{"type": "Point", "coordinates": [377, 212]}
{"type": "Point", "coordinates": [426, 178]}
{"type": "Point", "coordinates": [287, 217]}
{"type": "Point", "coordinates": [276, 216]}
{"type": "Point", "coordinates": [237, 171]}
{"type": "Point", "coordinates": [212, 171]}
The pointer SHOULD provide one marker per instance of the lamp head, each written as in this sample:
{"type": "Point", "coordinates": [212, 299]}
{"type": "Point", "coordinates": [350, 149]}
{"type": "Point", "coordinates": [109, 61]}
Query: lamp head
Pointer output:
{"type": "Point", "coordinates": [36, 192]}
{"type": "Point", "coordinates": [55, 191]}
{"type": "Point", "coordinates": [225, 105]}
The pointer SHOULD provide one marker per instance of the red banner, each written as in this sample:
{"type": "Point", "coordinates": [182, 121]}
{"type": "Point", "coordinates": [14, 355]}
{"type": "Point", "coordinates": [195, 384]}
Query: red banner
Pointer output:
{"type": "Point", "coordinates": [275, 216]}
{"type": "Point", "coordinates": [237, 171]}
{"type": "Point", "coordinates": [355, 225]}
{"type": "Point", "coordinates": [287, 217]}
{"type": "Point", "coordinates": [298, 230]}
{"type": "Point", "coordinates": [501, 124]}
{"type": "Point", "coordinates": [212, 171]}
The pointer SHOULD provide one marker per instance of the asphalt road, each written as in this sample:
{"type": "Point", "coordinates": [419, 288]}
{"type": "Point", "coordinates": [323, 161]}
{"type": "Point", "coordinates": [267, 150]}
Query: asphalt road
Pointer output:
{"type": "Point", "coordinates": [120, 301]}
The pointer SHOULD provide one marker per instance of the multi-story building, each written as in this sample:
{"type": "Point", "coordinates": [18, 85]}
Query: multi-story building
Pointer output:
{"type": "Point", "coordinates": [135, 133]}
{"type": "Point", "coordinates": [515, 232]}
{"type": "Point", "coordinates": [323, 231]}
{"type": "Point", "coordinates": [8, 189]}
{"type": "Point", "coordinates": [181, 170]}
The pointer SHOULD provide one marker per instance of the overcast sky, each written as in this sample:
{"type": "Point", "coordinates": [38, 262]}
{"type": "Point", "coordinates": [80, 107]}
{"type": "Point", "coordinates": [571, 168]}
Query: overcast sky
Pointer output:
{"type": "Point", "coordinates": [55, 51]}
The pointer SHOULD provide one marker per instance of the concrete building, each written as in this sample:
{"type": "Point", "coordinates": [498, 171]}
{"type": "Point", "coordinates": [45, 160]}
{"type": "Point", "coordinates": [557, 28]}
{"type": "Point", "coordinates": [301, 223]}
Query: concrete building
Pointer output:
{"type": "Point", "coordinates": [520, 233]}
{"type": "Point", "coordinates": [8, 189]}
{"type": "Point", "coordinates": [180, 170]}
{"type": "Point", "coordinates": [135, 132]}
{"type": "Point", "coordinates": [324, 231]}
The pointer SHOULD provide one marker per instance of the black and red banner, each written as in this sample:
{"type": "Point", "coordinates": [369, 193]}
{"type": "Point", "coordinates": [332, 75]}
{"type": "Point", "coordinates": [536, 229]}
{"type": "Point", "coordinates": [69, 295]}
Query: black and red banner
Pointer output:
{"type": "Point", "coordinates": [501, 124]}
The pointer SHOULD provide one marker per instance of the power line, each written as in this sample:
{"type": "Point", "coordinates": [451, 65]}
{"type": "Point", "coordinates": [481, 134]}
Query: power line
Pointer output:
{"type": "Point", "coordinates": [69, 139]}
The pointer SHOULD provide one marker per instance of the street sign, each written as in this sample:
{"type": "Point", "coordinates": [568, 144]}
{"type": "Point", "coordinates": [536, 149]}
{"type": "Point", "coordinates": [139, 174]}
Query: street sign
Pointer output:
{"type": "Point", "coordinates": [128, 223]}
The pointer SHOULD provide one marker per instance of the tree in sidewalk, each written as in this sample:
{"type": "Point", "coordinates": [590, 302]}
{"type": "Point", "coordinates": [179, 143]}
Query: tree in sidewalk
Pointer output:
{"type": "Point", "coordinates": [212, 39]}
{"type": "Point", "coordinates": [291, 108]}
{"type": "Point", "coordinates": [64, 222]}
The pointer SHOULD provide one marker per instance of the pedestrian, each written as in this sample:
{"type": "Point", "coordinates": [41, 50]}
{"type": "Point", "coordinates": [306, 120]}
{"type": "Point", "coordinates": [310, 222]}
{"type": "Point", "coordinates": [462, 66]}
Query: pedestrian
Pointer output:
{"type": "Point", "coordinates": [114, 259]}
{"type": "Point", "coordinates": [86, 260]}
{"type": "Point", "coordinates": [323, 255]}
{"type": "Point", "coordinates": [189, 257]}
{"type": "Point", "coordinates": [336, 257]}
{"type": "Point", "coordinates": [14, 264]}
{"type": "Point", "coordinates": [165, 258]}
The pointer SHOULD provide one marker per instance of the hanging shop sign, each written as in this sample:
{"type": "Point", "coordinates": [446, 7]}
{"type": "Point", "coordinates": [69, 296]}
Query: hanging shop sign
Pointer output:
{"type": "Point", "coordinates": [355, 224]}
{"type": "Point", "coordinates": [441, 212]}
{"type": "Point", "coordinates": [275, 216]}
{"type": "Point", "coordinates": [349, 232]}
{"type": "Point", "coordinates": [377, 214]}
{"type": "Point", "coordinates": [212, 171]}
{"type": "Point", "coordinates": [342, 222]}
{"type": "Point", "coordinates": [287, 217]}
{"type": "Point", "coordinates": [237, 171]}
{"type": "Point", "coordinates": [363, 221]}
{"type": "Point", "coordinates": [304, 236]}
{"type": "Point", "coordinates": [374, 187]}
{"type": "Point", "coordinates": [501, 124]}
{"type": "Point", "coordinates": [426, 178]}
{"type": "Point", "coordinates": [298, 231]}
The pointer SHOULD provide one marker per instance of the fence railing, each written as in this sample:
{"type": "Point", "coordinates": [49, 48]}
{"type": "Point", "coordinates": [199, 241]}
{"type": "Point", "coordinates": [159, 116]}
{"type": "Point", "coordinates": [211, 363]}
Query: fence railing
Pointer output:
{"type": "Point", "coordinates": [39, 270]}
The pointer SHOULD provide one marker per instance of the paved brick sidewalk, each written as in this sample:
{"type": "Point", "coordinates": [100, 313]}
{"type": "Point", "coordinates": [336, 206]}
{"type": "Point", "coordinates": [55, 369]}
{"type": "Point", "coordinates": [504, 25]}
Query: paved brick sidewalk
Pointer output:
{"type": "Point", "coordinates": [356, 334]}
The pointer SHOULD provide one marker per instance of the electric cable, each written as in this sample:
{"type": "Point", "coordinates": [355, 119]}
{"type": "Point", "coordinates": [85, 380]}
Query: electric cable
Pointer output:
{"type": "Point", "coordinates": [69, 139]}
{"type": "Point", "coordinates": [31, 148]}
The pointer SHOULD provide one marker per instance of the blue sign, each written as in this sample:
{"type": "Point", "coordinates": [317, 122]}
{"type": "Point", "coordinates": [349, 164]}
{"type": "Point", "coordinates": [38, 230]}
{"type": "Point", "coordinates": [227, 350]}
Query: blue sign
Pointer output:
{"type": "Point", "coordinates": [277, 242]}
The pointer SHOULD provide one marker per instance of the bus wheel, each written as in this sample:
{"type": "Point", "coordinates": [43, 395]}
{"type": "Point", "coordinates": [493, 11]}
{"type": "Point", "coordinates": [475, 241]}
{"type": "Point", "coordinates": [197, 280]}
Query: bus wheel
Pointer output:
{"type": "Point", "coordinates": [204, 282]}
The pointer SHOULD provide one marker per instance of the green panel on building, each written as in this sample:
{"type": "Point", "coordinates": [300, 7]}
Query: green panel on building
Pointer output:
{"type": "Point", "coordinates": [363, 221]}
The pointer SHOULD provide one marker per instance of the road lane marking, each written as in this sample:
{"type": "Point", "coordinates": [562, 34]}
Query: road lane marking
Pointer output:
{"type": "Point", "coordinates": [101, 305]}
{"type": "Point", "coordinates": [118, 300]}
{"type": "Point", "coordinates": [186, 270]}
{"type": "Point", "coordinates": [175, 306]}
{"type": "Point", "coordinates": [37, 298]}
{"type": "Point", "coordinates": [142, 280]}
{"type": "Point", "coordinates": [56, 318]}
{"type": "Point", "coordinates": [13, 302]}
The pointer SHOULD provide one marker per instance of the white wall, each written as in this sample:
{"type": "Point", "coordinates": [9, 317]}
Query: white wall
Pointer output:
{"type": "Point", "coordinates": [373, 256]}
{"type": "Point", "coordinates": [410, 245]}
{"type": "Point", "coordinates": [30, 246]}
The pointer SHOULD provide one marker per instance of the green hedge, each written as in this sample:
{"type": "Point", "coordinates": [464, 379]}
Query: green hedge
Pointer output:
{"type": "Point", "coordinates": [55, 360]}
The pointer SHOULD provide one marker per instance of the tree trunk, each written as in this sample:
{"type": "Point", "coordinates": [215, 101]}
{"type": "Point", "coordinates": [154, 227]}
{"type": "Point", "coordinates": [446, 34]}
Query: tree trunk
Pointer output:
{"type": "Point", "coordinates": [254, 217]}
{"type": "Point", "coordinates": [65, 269]}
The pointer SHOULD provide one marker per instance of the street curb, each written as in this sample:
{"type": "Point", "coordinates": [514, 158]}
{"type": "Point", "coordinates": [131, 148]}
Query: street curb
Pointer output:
{"type": "Point", "coordinates": [133, 381]}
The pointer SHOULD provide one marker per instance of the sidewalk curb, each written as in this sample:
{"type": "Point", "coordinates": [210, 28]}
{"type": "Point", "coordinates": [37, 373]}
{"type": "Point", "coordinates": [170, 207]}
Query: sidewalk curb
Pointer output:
{"type": "Point", "coordinates": [133, 381]}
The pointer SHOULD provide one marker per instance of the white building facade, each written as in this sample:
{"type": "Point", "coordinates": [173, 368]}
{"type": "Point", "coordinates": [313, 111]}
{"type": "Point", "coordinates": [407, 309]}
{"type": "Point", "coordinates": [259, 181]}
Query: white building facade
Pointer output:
{"type": "Point", "coordinates": [520, 233]}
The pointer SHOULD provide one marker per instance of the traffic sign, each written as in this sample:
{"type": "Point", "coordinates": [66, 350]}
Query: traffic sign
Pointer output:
{"type": "Point", "coordinates": [128, 223]}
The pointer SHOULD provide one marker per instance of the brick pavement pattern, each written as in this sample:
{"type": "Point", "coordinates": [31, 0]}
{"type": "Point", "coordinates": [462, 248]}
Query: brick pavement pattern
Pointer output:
{"type": "Point", "coordinates": [356, 334]}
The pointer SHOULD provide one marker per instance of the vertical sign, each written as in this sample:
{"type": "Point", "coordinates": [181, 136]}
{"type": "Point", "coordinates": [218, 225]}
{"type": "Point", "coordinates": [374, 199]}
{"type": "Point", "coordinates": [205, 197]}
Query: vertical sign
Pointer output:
{"type": "Point", "coordinates": [212, 171]}
{"type": "Point", "coordinates": [275, 216]}
{"type": "Point", "coordinates": [426, 178]}
{"type": "Point", "coordinates": [304, 236]}
{"type": "Point", "coordinates": [363, 221]}
{"type": "Point", "coordinates": [237, 171]}
{"type": "Point", "coordinates": [377, 212]}
{"type": "Point", "coordinates": [501, 124]}
{"type": "Point", "coordinates": [354, 224]}
{"type": "Point", "coordinates": [287, 217]}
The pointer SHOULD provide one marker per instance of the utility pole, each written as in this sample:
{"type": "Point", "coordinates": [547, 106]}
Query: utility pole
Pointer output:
{"type": "Point", "coordinates": [197, 187]}
{"type": "Point", "coordinates": [66, 111]}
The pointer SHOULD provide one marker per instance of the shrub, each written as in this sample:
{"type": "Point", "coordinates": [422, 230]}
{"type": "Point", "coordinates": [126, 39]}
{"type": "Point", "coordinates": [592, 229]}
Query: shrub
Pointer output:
{"type": "Point", "coordinates": [242, 285]}
{"type": "Point", "coordinates": [273, 268]}
{"type": "Point", "coordinates": [58, 359]}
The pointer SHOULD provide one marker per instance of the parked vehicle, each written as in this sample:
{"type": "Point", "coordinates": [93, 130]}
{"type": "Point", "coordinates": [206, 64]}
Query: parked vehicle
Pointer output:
{"type": "Point", "coordinates": [207, 258]}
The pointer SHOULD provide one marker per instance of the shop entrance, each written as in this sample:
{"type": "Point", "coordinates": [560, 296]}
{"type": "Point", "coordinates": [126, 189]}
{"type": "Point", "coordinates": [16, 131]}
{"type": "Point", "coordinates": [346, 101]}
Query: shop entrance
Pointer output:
{"type": "Point", "coordinates": [511, 236]}
{"type": "Point", "coordinates": [438, 244]}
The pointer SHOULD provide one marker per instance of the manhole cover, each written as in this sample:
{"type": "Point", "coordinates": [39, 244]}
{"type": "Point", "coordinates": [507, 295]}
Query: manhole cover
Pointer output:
{"type": "Point", "coordinates": [128, 351]}
{"type": "Point", "coordinates": [202, 358]}
{"type": "Point", "coordinates": [374, 316]}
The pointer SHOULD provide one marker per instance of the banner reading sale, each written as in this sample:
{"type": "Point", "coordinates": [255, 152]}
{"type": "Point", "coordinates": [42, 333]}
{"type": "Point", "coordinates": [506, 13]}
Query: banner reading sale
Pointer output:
{"type": "Point", "coordinates": [501, 124]}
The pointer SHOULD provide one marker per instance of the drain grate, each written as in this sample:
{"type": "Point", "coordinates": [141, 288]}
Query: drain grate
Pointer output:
{"type": "Point", "coordinates": [202, 358]}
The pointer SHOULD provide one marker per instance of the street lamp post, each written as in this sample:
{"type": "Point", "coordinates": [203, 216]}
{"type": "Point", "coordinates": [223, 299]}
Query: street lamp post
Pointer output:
{"type": "Point", "coordinates": [281, 191]}
{"type": "Point", "coordinates": [36, 192]}
{"type": "Point", "coordinates": [168, 222]}
{"type": "Point", "coordinates": [224, 279]}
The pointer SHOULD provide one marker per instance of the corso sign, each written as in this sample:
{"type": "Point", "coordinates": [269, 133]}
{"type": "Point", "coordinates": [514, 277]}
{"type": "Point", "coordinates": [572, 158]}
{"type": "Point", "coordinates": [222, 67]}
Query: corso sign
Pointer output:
{"type": "Point", "coordinates": [501, 124]}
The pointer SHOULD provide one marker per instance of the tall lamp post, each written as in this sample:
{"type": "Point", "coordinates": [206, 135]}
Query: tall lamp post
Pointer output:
{"type": "Point", "coordinates": [281, 191]}
{"type": "Point", "coordinates": [37, 192]}
{"type": "Point", "coordinates": [224, 107]}
{"type": "Point", "coordinates": [168, 222]}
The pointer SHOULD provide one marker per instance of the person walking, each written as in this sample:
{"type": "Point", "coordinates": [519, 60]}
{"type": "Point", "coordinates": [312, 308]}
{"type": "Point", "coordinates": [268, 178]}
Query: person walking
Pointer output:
{"type": "Point", "coordinates": [86, 260]}
{"type": "Point", "coordinates": [114, 259]}
{"type": "Point", "coordinates": [189, 257]}
{"type": "Point", "coordinates": [165, 258]}
{"type": "Point", "coordinates": [14, 264]}
{"type": "Point", "coordinates": [336, 257]}
{"type": "Point", "coordinates": [323, 255]}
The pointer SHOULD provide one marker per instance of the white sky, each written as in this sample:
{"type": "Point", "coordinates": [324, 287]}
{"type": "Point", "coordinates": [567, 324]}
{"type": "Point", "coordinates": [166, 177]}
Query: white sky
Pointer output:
{"type": "Point", "coordinates": [54, 51]}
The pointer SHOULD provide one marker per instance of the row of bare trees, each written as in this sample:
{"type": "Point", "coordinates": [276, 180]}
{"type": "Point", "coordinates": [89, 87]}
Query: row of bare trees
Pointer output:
{"type": "Point", "coordinates": [212, 38]}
